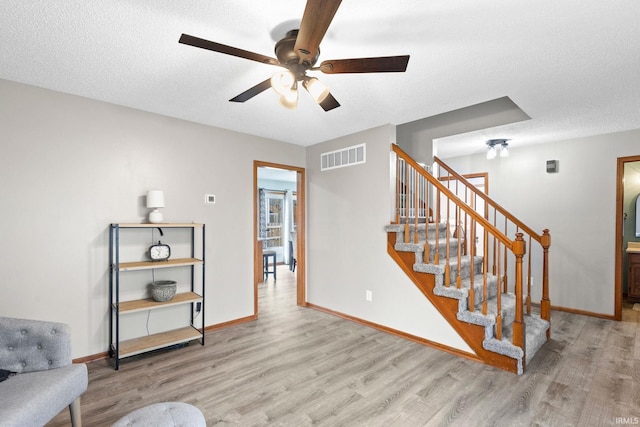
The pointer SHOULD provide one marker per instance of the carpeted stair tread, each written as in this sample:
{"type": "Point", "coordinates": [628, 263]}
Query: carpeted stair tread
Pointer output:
{"type": "Point", "coordinates": [535, 337]}
{"type": "Point", "coordinates": [399, 229]}
{"type": "Point", "coordinates": [508, 310]}
{"type": "Point", "coordinates": [439, 268]}
{"type": "Point", "coordinates": [462, 293]}
{"type": "Point", "coordinates": [418, 249]}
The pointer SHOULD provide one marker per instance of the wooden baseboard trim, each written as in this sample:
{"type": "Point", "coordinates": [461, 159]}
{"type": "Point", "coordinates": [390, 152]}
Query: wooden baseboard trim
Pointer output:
{"type": "Point", "coordinates": [575, 311]}
{"type": "Point", "coordinates": [397, 333]}
{"type": "Point", "coordinates": [583, 312]}
{"type": "Point", "coordinates": [105, 355]}
{"type": "Point", "coordinates": [230, 323]}
{"type": "Point", "coordinates": [92, 358]}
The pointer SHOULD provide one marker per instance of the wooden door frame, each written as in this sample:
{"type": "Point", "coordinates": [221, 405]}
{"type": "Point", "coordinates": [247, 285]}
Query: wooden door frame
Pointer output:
{"type": "Point", "coordinates": [619, 231]}
{"type": "Point", "coordinates": [483, 175]}
{"type": "Point", "coordinates": [301, 265]}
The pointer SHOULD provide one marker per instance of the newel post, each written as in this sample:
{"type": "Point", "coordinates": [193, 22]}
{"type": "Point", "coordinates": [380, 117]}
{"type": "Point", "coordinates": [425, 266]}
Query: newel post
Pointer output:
{"type": "Point", "coordinates": [545, 304]}
{"type": "Point", "coordinates": [519, 249]}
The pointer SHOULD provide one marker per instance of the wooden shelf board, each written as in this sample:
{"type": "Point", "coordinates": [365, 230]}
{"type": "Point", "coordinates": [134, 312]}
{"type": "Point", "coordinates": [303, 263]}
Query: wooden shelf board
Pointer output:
{"type": "Point", "coordinates": [150, 303]}
{"type": "Point", "coordinates": [161, 225]}
{"type": "Point", "coordinates": [146, 265]}
{"type": "Point", "coordinates": [153, 342]}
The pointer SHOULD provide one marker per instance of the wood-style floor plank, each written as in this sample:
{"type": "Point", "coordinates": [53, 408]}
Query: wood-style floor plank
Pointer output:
{"type": "Point", "coordinates": [301, 367]}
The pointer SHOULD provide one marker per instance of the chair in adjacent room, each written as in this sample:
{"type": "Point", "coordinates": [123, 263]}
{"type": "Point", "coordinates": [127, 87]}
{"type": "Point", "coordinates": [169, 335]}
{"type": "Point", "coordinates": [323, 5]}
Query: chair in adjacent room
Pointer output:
{"type": "Point", "coordinates": [266, 255]}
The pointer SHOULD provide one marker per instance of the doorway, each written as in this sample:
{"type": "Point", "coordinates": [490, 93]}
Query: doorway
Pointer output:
{"type": "Point", "coordinates": [480, 181]}
{"type": "Point", "coordinates": [282, 231]}
{"type": "Point", "coordinates": [627, 189]}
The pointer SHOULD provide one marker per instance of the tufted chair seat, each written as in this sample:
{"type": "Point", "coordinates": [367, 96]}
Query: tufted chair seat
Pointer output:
{"type": "Point", "coordinates": [46, 381]}
{"type": "Point", "coordinates": [164, 414]}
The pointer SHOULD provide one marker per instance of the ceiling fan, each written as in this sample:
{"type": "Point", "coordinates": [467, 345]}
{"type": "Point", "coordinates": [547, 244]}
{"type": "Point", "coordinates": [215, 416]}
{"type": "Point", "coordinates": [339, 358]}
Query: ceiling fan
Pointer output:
{"type": "Point", "coordinates": [298, 52]}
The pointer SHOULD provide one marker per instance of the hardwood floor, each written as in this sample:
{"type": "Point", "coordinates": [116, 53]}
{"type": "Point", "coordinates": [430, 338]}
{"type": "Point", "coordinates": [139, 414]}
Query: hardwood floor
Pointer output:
{"type": "Point", "coordinates": [301, 367]}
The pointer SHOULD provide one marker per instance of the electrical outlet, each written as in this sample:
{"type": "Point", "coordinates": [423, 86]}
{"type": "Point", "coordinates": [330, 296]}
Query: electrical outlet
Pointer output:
{"type": "Point", "coordinates": [210, 199]}
{"type": "Point", "coordinates": [198, 306]}
{"type": "Point", "coordinates": [368, 295]}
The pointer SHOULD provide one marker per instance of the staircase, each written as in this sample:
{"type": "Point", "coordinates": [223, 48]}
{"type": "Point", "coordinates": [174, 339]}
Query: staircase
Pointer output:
{"type": "Point", "coordinates": [470, 285]}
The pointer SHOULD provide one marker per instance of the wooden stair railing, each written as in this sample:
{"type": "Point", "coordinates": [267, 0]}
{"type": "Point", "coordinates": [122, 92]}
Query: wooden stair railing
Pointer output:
{"type": "Point", "coordinates": [511, 222]}
{"type": "Point", "coordinates": [418, 193]}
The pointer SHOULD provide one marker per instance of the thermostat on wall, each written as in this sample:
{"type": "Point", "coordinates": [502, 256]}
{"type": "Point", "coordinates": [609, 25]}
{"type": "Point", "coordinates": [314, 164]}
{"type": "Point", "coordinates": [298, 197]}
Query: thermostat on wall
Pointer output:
{"type": "Point", "coordinates": [210, 199]}
{"type": "Point", "coordinates": [552, 166]}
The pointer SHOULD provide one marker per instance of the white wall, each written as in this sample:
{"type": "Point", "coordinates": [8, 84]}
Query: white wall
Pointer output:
{"type": "Point", "coordinates": [578, 205]}
{"type": "Point", "coordinates": [347, 245]}
{"type": "Point", "coordinates": [70, 166]}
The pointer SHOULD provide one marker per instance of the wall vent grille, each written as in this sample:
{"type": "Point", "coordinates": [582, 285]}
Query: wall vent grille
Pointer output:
{"type": "Point", "coordinates": [349, 156]}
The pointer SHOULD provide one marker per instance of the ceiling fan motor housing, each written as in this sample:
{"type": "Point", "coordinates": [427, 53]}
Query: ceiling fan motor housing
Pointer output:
{"type": "Point", "coordinates": [287, 56]}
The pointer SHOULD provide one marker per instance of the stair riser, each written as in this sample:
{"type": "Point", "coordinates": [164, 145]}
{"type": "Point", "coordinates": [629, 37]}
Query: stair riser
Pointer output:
{"type": "Point", "coordinates": [465, 271]}
{"type": "Point", "coordinates": [492, 291]}
{"type": "Point", "coordinates": [442, 251]}
{"type": "Point", "coordinates": [418, 249]}
{"type": "Point", "coordinates": [422, 234]}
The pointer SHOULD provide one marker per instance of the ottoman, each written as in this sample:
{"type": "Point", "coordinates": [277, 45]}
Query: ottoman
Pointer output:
{"type": "Point", "coordinates": [166, 414]}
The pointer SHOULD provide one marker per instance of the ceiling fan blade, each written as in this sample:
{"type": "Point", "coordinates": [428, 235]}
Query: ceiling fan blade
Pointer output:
{"type": "Point", "coordinates": [329, 103]}
{"type": "Point", "coordinates": [250, 93]}
{"type": "Point", "coordinates": [316, 19]}
{"type": "Point", "coordinates": [381, 64]}
{"type": "Point", "coordinates": [229, 50]}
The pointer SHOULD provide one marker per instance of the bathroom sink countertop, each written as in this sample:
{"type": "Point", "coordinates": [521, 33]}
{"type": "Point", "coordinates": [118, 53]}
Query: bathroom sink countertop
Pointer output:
{"type": "Point", "coordinates": [633, 247]}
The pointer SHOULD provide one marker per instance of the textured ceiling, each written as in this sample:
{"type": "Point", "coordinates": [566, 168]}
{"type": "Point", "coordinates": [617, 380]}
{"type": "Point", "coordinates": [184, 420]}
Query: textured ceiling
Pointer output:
{"type": "Point", "coordinates": [573, 66]}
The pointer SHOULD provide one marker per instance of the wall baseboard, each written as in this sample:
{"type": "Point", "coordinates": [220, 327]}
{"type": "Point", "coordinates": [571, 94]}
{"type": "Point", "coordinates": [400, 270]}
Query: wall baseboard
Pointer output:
{"type": "Point", "coordinates": [230, 323]}
{"type": "Point", "coordinates": [419, 340]}
{"type": "Point", "coordinates": [105, 355]}
{"type": "Point", "coordinates": [583, 312]}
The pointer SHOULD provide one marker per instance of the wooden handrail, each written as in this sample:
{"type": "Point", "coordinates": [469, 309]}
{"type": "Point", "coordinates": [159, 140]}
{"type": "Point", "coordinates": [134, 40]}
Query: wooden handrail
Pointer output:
{"type": "Point", "coordinates": [450, 195]}
{"type": "Point", "coordinates": [490, 202]}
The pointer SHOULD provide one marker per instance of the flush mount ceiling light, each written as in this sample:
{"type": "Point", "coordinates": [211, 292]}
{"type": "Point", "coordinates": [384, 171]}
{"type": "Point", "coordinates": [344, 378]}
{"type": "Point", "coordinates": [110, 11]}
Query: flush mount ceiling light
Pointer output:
{"type": "Point", "coordinates": [497, 145]}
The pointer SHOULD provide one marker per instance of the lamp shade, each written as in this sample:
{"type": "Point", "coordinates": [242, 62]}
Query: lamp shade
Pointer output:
{"type": "Point", "coordinates": [155, 199]}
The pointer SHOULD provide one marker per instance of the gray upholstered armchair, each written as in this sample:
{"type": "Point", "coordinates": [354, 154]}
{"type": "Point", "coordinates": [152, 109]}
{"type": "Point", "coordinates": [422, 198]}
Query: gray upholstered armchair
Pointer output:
{"type": "Point", "coordinates": [46, 381]}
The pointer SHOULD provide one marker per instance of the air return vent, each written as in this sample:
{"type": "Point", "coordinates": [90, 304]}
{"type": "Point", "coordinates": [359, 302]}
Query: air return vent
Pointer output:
{"type": "Point", "coordinates": [344, 157]}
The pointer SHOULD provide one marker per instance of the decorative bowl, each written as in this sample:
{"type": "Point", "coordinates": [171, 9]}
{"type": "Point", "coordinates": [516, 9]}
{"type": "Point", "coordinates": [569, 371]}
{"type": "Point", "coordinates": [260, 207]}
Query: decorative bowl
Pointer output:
{"type": "Point", "coordinates": [163, 290]}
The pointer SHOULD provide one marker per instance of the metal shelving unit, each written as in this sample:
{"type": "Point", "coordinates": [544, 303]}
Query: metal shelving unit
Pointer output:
{"type": "Point", "coordinates": [195, 297]}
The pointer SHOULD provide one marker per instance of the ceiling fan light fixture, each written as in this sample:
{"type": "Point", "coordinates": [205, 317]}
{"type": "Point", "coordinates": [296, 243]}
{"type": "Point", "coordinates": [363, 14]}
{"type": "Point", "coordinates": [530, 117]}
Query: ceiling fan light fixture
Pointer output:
{"type": "Point", "coordinates": [318, 90]}
{"type": "Point", "coordinates": [290, 99]}
{"type": "Point", "coordinates": [283, 82]}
